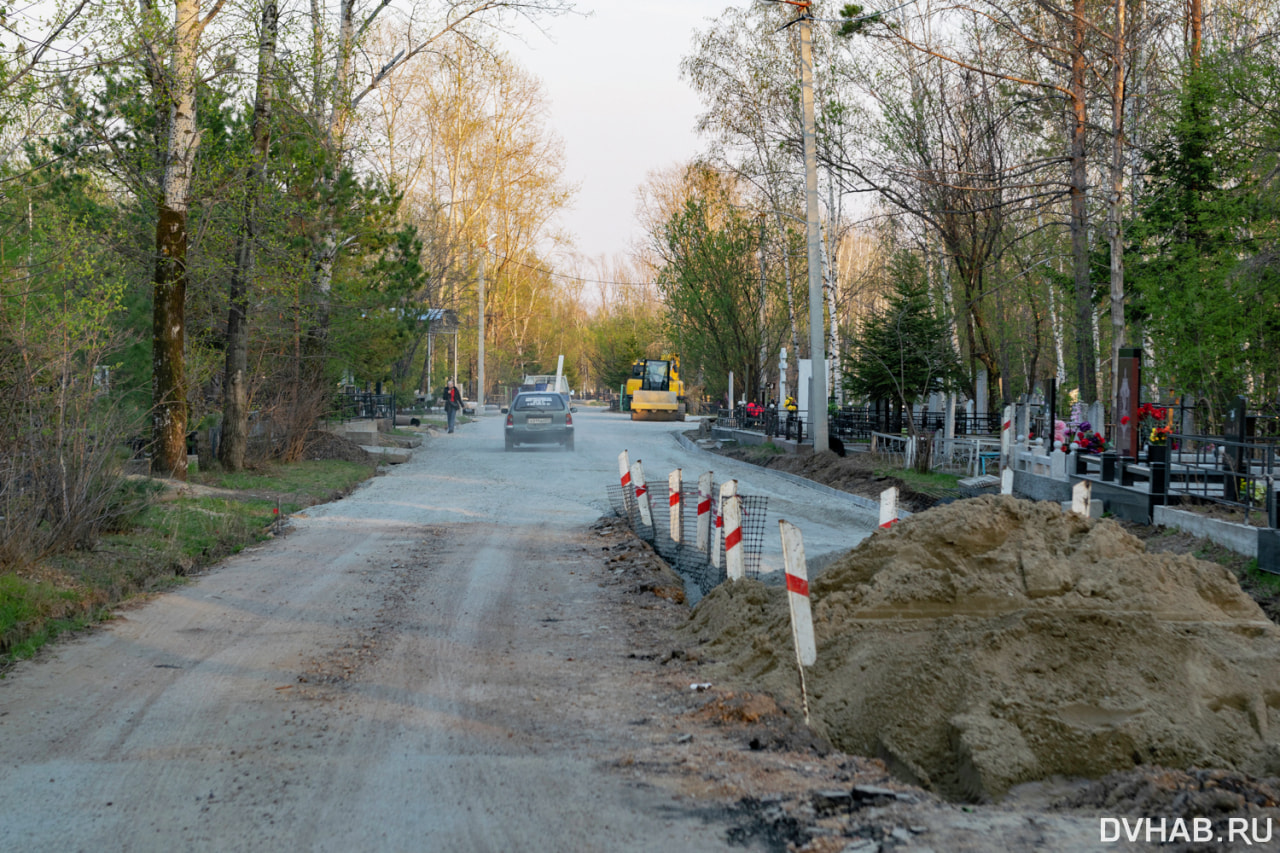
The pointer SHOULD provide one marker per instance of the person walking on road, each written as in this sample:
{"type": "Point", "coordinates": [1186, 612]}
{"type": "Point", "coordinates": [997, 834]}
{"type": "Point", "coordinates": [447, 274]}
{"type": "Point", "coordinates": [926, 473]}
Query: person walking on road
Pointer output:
{"type": "Point", "coordinates": [452, 402]}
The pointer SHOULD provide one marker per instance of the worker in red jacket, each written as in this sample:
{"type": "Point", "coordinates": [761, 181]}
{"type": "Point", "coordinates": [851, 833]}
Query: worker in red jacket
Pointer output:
{"type": "Point", "coordinates": [452, 403]}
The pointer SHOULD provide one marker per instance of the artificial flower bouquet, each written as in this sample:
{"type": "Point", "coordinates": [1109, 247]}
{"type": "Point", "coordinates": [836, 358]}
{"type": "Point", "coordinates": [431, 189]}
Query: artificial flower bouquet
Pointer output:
{"type": "Point", "coordinates": [1087, 440]}
{"type": "Point", "coordinates": [1151, 421]}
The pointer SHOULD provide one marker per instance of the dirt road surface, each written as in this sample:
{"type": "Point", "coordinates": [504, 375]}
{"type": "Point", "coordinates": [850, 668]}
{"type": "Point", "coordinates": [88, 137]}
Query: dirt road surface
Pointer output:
{"type": "Point", "coordinates": [432, 663]}
{"type": "Point", "coordinates": [462, 656]}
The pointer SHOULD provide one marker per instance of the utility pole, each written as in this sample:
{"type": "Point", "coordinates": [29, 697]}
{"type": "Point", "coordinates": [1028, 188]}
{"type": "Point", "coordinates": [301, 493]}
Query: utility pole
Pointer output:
{"type": "Point", "coordinates": [762, 397]}
{"type": "Point", "coordinates": [480, 346]}
{"type": "Point", "coordinates": [817, 337]}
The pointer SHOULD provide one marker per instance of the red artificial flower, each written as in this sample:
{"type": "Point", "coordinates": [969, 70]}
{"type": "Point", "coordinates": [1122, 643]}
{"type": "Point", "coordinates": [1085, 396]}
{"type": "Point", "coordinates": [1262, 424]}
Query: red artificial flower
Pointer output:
{"type": "Point", "coordinates": [1124, 420]}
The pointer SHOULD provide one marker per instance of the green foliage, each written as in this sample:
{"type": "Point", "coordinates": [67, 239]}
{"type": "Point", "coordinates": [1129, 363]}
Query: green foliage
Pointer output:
{"type": "Point", "coordinates": [856, 21]}
{"type": "Point", "coordinates": [154, 544]}
{"type": "Point", "coordinates": [32, 613]}
{"type": "Point", "coordinates": [710, 281]}
{"type": "Point", "coordinates": [617, 340]}
{"type": "Point", "coordinates": [936, 483]}
{"type": "Point", "coordinates": [1205, 294]}
{"type": "Point", "coordinates": [904, 351]}
{"type": "Point", "coordinates": [379, 311]}
{"type": "Point", "coordinates": [296, 484]}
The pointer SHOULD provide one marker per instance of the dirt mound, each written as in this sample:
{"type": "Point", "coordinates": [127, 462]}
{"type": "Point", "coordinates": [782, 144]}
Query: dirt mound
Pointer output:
{"type": "Point", "coordinates": [993, 641]}
{"type": "Point", "coordinates": [323, 444]}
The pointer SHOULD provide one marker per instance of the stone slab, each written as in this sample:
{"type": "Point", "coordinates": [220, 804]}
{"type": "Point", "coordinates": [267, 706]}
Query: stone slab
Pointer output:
{"type": "Point", "coordinates": [390, 455]}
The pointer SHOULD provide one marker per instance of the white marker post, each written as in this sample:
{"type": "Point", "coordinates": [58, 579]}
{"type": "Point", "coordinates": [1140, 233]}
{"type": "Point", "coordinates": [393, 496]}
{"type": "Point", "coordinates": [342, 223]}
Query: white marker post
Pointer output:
{"type": "Point", "coordinates": [1081, 495]}
{"type": "Point", "coordinates": [674, 502]}
{"type": "Point", "coordinates": [1006, 481]}
{"type": "Point", "coordinates": [729, 488]}
{"type": "Point", "coordinates": [889, 507]}
{"type": "Point", "coordinates": [624, 475]}
{"type": "Point", "coordinates": [642, 493]}
{"type": "Point", "coordinates": [704, 511]}
{"type": "Point", "coordinates": [798, 599]}
{"type": "Point", "coordinates": [734, 565]}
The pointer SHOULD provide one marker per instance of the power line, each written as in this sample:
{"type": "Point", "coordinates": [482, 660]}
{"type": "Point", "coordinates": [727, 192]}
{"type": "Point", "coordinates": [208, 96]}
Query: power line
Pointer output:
{"type": "Point", "coordinates": [547, 272]}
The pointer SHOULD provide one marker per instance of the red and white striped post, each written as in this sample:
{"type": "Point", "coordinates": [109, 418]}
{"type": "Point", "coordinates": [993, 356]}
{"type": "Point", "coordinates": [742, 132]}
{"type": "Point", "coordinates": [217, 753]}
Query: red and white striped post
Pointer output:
{"type": "Point", "coordinates": [798, 599]}
{"type": "Point", "coordinates": [642, 493]}
{"type": "Point", "coordinates": [624, 475]}
{"type": "Point", "coordinates": [704, 511]}
{"type": "Point", "coordinates": [889, 507]}
{"type": "Point", "coordinates": [674, 498]}
{"type": "Point", "coordinates": [735, 566]}
{"type": "Point", "coordinates": [730, 487]}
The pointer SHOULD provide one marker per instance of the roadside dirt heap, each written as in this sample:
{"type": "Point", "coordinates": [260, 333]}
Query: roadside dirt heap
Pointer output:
{"type": "Point", "coordinates": [993, 641]}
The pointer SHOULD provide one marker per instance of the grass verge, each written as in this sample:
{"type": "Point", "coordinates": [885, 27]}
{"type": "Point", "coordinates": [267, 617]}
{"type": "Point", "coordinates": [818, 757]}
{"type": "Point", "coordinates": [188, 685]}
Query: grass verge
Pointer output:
{"type": "Point", "coordinates": [930, 483]}
{"type": "Point", "coordinates": [171, 537]}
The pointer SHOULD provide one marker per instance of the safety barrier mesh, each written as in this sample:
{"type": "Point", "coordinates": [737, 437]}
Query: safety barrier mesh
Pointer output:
{"type": "Point", "coordinates": [693, 565]}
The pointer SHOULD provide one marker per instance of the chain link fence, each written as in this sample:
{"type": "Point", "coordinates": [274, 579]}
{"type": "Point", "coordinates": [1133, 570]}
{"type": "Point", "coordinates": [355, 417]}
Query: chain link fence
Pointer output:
{"type": "Point", "coordinates": [696, 567]}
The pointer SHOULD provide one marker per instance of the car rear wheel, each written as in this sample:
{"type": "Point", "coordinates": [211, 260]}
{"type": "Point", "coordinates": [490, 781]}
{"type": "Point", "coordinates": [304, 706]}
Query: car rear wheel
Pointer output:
{"type": "Point", "coordinates": [511, 445]}
{"type": "Point", "coordinates": [568, 443]}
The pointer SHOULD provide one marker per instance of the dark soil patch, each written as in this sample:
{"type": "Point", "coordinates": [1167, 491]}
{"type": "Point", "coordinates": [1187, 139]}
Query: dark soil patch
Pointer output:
{"type": "Point", "coordinates": [1221, 796]}
{"type": "Point", "coordinates": [327, 445]}
{"type": "Point", "coordinates": [854, 473]}
{"type": "Point", "coordinates": [1254, 518]}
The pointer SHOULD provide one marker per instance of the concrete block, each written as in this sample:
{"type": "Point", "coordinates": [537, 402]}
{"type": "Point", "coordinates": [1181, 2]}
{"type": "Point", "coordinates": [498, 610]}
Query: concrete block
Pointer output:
{"type": "Point", "coordinates": [1040, 488]}
{"type": "Point", "coordinates": [389, 455]}
{"type": "Point", "coordinates": [1058, 466]}
{"type": "Point", "coordinates": [1269, 550]}
{"type": "Point", "coordinates": [1095, 507]}
{"type": "Point", "coordinates": [363, 426]}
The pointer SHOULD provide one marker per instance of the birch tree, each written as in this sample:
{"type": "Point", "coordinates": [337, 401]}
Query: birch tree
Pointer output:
{"type": "Point", "coordinates": [169, 384]}
{"type": "Point", "coordinates": [423, 27]}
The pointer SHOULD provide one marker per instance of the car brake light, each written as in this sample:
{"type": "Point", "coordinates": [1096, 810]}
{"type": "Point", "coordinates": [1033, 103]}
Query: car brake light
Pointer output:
{"type": "Point", "coordinates": [568, 419]}
{"type": "Point", "coordinates": [510, 421]}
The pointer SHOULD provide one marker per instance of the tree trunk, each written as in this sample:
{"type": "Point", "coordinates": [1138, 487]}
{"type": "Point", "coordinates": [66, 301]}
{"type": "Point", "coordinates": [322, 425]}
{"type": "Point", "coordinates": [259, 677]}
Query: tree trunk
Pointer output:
{"type": "Point", "coordinates": [1115, 226]}
{"type": "Point", "coordinates": [1086, 369]}
{"type": "Point", "coordinates": [1195, 23]}
{"type": "Point", "coordinates": [326, 248]}
{"type": "Point", "coordinates": [235, 386]}
{"type": "Point", "coordinates": [169, 384]}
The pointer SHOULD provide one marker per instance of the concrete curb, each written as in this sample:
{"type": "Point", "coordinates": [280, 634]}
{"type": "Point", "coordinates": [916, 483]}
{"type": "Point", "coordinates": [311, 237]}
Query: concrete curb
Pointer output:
{"type": "Point", "coordinates": [390, 455]}
{"type": "Point", "coordinates": [1241, 538]}
{"type": "Point", "coordinates": [857, 500]}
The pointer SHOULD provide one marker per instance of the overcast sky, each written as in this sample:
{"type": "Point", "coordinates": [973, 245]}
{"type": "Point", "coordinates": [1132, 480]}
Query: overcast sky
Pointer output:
{"type": "Point", "coordinates": [613, 83]}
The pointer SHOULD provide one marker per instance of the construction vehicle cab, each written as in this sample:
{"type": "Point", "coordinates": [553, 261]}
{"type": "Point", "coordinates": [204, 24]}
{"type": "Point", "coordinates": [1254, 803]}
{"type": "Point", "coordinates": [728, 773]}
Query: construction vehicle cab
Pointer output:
{"type": "Point", "coordinates": [655, 390]}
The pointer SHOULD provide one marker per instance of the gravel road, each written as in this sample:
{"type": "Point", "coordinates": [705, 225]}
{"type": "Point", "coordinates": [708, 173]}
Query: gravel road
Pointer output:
{"type": "Point", "coordinates": [428, 664]}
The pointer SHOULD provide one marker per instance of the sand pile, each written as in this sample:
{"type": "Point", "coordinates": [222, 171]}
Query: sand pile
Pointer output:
{"type": "Point", "coordinates": [993, 641]}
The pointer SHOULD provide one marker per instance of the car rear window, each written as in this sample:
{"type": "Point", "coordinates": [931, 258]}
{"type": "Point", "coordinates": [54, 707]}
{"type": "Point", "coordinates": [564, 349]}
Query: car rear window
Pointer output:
{"type": "Point", "coordinates": [539, 403]}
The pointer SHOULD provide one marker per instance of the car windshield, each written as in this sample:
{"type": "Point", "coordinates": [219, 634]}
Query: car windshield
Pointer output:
{"type": "Point", "coordinates": [539, 403]}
